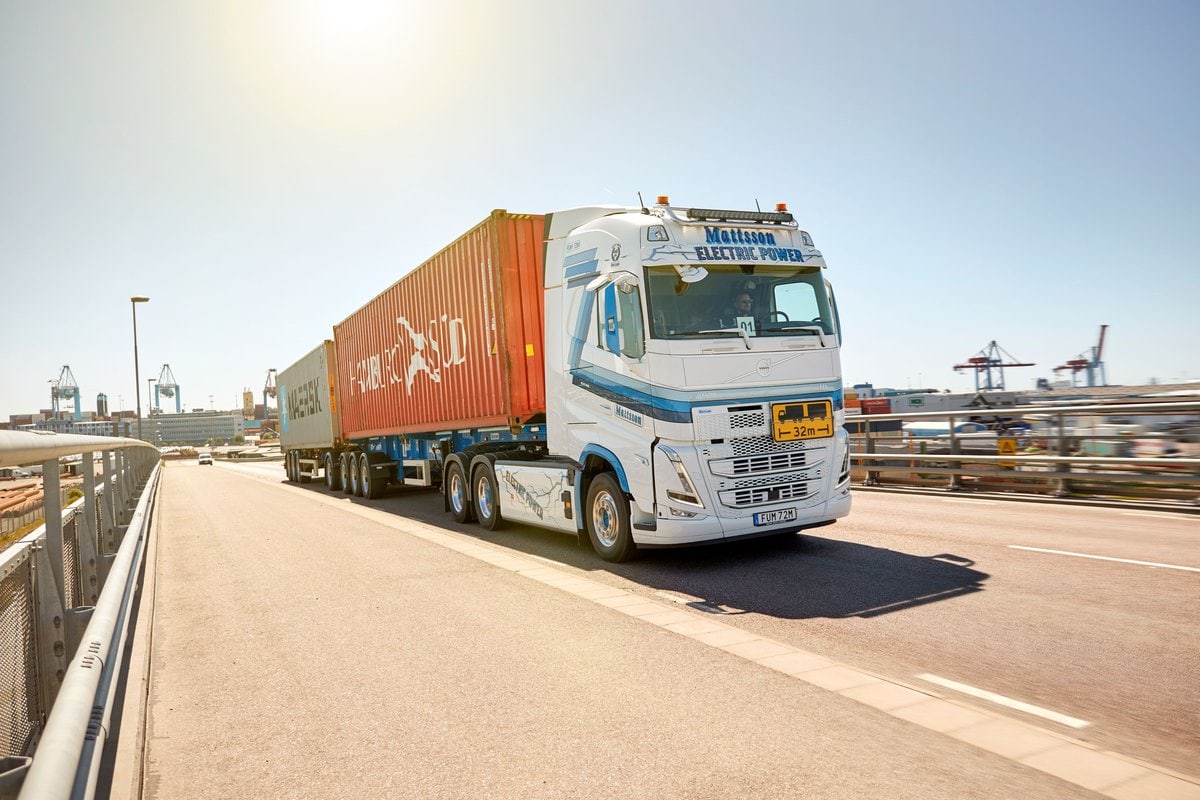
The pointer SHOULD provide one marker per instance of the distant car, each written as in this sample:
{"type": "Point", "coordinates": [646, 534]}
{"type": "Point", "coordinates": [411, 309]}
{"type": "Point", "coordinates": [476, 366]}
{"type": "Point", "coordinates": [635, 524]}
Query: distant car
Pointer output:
{"type": "Point", "coordinates": [206, 458]}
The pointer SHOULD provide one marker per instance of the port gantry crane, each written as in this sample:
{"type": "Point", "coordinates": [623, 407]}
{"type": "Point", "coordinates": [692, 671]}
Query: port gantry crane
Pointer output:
{"type": "Point", "coordinates": [989, 359]}
{"type": "Point", "coordinates": [1091, 364]}
{"type": "Point", "coordinates": [65, 388]}
{"type": "Point", "coordinates": [269, 389]}
{"type": "Point", "coordinates": [167, 387]}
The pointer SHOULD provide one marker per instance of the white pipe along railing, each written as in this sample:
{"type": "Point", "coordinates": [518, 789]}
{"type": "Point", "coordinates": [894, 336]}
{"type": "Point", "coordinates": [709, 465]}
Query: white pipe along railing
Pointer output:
{"type": "Point", "coordinates": [68, 588]}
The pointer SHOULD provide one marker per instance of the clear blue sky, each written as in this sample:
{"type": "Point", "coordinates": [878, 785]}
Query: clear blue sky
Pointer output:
{"type": "Point", "coordinates": [1017, 171]}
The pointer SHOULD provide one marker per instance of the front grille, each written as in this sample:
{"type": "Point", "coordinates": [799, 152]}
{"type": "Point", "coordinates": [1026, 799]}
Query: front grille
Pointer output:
{"type": "Point", "coordinates": [771, 480]}
{"type": "Point", "coordinates": [763, 495]}
{"type": "Point", "coordinates": [755, 465]}
{"type": "Point", "coordinates": [754, 419]}
{"type": "Point", "coordinates": [763, 471]}
{"type": "Point", "coordinates": [760, 445]}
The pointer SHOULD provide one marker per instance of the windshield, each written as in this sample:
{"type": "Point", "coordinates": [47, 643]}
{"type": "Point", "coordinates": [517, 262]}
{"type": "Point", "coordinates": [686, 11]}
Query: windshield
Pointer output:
{"type": "Point", "coordinates": [754, 299]}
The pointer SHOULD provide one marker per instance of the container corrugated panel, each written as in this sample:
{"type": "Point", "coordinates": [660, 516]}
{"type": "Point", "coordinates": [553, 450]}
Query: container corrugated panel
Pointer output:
{"type": "Point", "coordinates": [454, 344]}
{"type": "Point", "coordinates": [308, 409]}
{"type": "Point", "coordinates": [876, 405]}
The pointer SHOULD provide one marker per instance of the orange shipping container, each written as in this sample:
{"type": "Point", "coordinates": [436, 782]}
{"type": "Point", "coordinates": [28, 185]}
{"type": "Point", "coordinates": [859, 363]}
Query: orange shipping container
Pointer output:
{"type": "Point", "coordinates": [455, 344]}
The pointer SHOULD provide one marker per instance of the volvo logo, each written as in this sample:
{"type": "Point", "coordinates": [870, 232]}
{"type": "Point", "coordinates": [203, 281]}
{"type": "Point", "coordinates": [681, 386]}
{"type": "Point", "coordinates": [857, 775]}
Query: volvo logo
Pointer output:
{"type": "Point", "coordinates": [764, 367]}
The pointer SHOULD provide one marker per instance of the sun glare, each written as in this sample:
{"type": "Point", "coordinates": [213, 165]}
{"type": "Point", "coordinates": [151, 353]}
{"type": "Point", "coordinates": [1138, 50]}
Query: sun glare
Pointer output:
{"type": "Point", "coordinates": [343, 35]}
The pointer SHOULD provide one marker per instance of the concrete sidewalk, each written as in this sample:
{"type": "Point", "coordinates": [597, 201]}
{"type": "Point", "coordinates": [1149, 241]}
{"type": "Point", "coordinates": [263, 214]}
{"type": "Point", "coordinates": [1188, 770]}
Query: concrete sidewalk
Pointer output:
{"type": "Point", "coordinates": [302, 646]}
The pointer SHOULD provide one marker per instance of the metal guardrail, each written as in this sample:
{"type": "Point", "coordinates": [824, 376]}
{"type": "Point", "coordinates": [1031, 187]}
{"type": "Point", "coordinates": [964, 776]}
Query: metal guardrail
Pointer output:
{"type": "Point", "coordinates": [65, 595]}
{"type": "Point", "coordinates": [1059, 466]}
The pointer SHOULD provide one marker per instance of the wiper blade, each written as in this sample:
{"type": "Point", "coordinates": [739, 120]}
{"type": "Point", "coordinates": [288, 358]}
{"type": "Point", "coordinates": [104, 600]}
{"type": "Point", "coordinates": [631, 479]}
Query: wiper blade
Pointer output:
{"type": "Point", "coordinates": [817, 329]}
{"type": "Point", "coordinates": [745, 336]}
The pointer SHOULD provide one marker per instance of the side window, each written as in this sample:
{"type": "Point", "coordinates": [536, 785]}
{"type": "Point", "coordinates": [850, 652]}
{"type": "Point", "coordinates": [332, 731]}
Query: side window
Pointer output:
{"type": "Point", "coordinates": [633, 336]}
{"type": "Point", "coordinates": [610, 338]}
{"type": "Point", "coordinates": [619, 324]}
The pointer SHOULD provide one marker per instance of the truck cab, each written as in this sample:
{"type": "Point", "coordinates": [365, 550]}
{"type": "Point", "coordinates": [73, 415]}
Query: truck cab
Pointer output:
{"type": "Point", "coordinates": [698, 367]}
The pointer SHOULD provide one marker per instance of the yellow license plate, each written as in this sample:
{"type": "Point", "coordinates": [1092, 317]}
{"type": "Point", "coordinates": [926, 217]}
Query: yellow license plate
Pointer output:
{"type": "Point", "coordinates": [810, 419]}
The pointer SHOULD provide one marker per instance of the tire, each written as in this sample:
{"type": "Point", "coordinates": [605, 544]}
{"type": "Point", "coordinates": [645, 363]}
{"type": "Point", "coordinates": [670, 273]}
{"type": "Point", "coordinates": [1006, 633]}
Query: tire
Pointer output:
{"type": "Point", "coordinates": [333, 477]}
{"type": "Point", "coordinates": [287, 467]}
{"type": "Point", "coordinates": [347, 473]}
{"type": "Point", "coordinates": [370, 488]}
{"type": "Point", "coordinates": [456, 494]}
{"type": "Point", "coordinates": [355, 475]}
{"type": "Point", "coordinates": [487, 500]}
{"type": "Point", "coordinates": [608, 519]}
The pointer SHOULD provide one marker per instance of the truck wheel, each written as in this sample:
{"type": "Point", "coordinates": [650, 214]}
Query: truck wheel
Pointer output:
{"type": "Point", "coordinates": [347, 473]}
{"type": "Point", "coordinates": [372, 489]}
{"type": "Point", "coordinates": [355, 475]}
{"type": "Point", "coordinates": [332, 479]}
{"type": "Point", "coordinates": [456, 493]}
{"type": "Point", "coordinates": [608, 519]}
{"type": "Point", "coordinates": [487, 502]}
{"type": "Point", "coordinates": [287, 466]}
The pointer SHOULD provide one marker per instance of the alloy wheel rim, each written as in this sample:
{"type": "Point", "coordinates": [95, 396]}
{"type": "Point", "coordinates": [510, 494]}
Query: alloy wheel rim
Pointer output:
{"type": "Point", "coordinates": [457, 495]}
{"type": "Point", "coordinates": [604, 519]}
{"type": "Point", "coordinates": [484, 494]}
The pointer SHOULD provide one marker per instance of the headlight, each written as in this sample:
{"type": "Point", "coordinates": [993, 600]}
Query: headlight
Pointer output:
{"type": "Point", "coordinates": [688, 496]}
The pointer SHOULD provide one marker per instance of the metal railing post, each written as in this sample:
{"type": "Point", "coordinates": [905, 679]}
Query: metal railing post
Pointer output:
{"type": "Point", "coordinates": [955, 479]}
{"type": "Point", "coordinates": [872, 478]}
{"type": "Point", "coordinates": [1064, 484]}
{"type": "Point", "coordinates": [52, 513]}
{"type": "Point", "coordinates": [88, 545]}
{"type": "Point", "coordinates": [108, 507]}
{"type": "Point", "coordinates": [108, 523]}
{"type": "Point", "coordinates": [49, 628]}
{"type": "Point", "coordinates": [126, 490]}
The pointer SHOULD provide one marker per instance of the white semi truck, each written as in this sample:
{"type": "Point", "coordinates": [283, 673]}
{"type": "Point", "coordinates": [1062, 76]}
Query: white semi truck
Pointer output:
{"type": "Point", "coordinates": [599, 371]}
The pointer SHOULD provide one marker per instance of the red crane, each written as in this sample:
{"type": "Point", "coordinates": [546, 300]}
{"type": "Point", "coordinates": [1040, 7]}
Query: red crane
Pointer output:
{"type": "Point", "coordinates": [1093, 365]}
{"type": "Point", "coordinates": [269, 390]}
{"type": "Point", "coordinates": [988, 359]}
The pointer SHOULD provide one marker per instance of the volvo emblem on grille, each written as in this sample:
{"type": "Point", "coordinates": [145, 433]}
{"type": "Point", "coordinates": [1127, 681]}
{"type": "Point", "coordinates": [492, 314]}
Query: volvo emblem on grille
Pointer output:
{"type": "Point", "coordinates": [764, 367]}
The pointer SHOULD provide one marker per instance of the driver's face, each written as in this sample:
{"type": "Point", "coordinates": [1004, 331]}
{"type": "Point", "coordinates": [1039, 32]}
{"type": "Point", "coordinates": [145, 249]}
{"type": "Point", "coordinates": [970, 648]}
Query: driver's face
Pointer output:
{"type": "Point", "coordinates": [743, 302]}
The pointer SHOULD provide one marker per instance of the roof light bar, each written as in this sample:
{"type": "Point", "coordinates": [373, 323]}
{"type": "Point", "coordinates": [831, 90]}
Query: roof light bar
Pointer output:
{"type": "Point", "coordinates": [714, 214]}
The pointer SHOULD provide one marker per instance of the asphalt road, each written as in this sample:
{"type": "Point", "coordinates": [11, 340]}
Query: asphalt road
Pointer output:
{"type": "Point", "coordinates": [289, 626]}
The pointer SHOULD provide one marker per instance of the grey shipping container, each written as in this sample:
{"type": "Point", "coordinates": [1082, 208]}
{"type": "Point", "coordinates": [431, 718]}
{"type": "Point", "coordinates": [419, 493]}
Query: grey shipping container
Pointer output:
{"type": "Point", "coordinates": [308, 412]}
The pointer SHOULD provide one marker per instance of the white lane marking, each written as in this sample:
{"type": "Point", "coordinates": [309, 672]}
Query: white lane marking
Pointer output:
{"type": "Point", "coordinates": [1000, 699]}
{"type": "Point", "coordinates": [1157, 515]}
{"type": "Point", "coordinates": [969, 502]}
{"type": "Point", "coordinates": [1105, 558]}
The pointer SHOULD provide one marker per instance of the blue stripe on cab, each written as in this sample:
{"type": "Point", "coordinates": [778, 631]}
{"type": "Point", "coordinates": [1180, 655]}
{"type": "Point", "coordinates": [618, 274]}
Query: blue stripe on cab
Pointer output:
{"type": "Point", "coordinates": [650, 400]}
{"type": "Point", "coordinates": [582, 268]}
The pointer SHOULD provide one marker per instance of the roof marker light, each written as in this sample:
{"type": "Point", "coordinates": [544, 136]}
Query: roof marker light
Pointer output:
{"type": "Point", "coordinates": [781, 217]}
{"type": "Point", "coordinates": [663, 200]}
{"type": "Point", "coordinates": [781, 206]}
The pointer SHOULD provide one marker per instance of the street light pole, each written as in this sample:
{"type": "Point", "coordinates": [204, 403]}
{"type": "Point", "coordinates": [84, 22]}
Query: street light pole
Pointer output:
{"type": "Point", "coordinates": [137, 377]}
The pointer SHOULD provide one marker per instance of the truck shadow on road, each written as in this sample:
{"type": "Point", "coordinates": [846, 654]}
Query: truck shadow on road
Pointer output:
{"type": "Point", "coordinates": [791, 577]}
{"type": "Point", "coordinates": [800, 577]}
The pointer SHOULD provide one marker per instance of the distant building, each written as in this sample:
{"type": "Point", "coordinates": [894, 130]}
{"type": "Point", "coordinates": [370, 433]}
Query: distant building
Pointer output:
{"type": "Point", "coordinates": [93, 427]}
{"type": "Point", "coordinates": [198, 427]}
